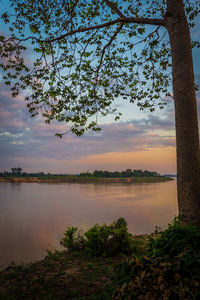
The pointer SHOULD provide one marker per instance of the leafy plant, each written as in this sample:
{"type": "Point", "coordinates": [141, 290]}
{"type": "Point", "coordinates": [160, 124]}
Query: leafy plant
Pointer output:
{"type": "Point", "coordinates": [97, 239]}
{"type": "Point", "coordinates": [175, 240]}
{"type": "Point", "coordinates": [170, 268]}
{"type": "Point", "coordinates": [73, 240]}
{"type": "Point", "coordinates": [101, 240]}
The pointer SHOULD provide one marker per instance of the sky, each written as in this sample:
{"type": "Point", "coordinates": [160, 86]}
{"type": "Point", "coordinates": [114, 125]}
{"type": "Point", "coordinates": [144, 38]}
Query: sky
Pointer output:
{"type": "Point", "coordinates": [140, 140]}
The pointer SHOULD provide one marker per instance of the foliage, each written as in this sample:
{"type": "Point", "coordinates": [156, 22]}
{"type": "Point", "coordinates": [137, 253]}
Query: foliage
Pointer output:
{"type": "Point", "coordinates": [72, 239]}
{"type": "Point", "coordinates": [85, 56]}
{"type": "Point", "coordinates": [40, 175]}
{"type": "Point", "coordinates": [170, 269]}
{"type": "Point", "coordinates": [16, 170]}
{"type": "Point", "coordinates": [175, 239]}
{"type": "Point", "coordinates": [101, 240]}
{"type": "Point", "coordinates": [125, 174]}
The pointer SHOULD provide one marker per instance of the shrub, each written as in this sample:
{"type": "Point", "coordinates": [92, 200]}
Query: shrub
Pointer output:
{"type": "Point", "coordinates": [73, 240]}
{"type": "Point", "coordinates": [175, 240]}
{"type": "Point", "coordinates": [100, 240]}
{"type": "Point", "coordinates": [97, 239]}
{"type": "Point", "coordinates": [170, 269]}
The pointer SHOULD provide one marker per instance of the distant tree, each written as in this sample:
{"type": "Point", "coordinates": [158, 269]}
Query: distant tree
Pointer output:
{"type": "Point", "coordinates": [16, 171]}
{"type": "Point", "coordinates": [86, 56]}
{"type": "Point", "coordinates": [88, 174]}
{"type": "Point", "coordinates": [97, 173]}
{"type": "Point", "coordinates": [41, 174]}
{"type": "Point", "coordinates": [128, 173]}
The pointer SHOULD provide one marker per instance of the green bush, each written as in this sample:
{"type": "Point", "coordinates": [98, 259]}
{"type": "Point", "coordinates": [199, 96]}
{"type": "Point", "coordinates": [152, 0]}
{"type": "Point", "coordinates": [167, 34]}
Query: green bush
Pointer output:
{"type": "Point", "coordinates": [73, 240]}
{"type": "Point", "coordinates": [170, 268]}
{"type": "Point", "coordinates": [175, 240]}
{"type": "Point", "coordinates": [100, 240]}
{"type": "Point", "coordinates": [97, 239]}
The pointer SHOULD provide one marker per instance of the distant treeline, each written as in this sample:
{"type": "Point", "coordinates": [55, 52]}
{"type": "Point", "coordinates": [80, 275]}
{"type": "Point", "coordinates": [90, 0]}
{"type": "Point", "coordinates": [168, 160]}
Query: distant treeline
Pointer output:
{"type": "Point", "coordinates": [95, 174]}
{"type": "Point", "coordinates": [24, 174]}
{"type": "Point", "coordinates": [117, 174]}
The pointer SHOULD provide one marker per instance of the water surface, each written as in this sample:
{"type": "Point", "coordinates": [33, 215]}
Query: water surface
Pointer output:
{"type": "Point", "coordinates": [34, 216]}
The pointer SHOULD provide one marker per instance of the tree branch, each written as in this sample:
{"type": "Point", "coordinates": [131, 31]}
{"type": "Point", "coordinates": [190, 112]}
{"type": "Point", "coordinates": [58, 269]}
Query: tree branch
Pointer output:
{"type": "Point", "coordinates": [157, 22]}
{"type": "Point", "coordinates": [106, 46]}
{"type": "Point", "coordinates": [115, 8]}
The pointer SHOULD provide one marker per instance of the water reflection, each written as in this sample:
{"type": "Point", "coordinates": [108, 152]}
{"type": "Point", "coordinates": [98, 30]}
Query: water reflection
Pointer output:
{"type": "Point", "coordinates": [34, 216]}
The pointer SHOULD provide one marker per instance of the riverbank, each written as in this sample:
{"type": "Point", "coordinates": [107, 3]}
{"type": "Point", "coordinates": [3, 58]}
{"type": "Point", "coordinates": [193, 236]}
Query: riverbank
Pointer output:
{"type": "Point", "coordinates": [58, 276]}
{"type": "Point", "coordinates": [63, 275]}
{"type": "Point", "coordinates": [78, 179]}
{"type": "Point", "coordinates": [157, 268]}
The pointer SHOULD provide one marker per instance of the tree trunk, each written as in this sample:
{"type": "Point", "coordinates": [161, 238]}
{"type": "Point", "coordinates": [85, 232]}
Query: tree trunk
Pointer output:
{"type": "Point", "coordinates": [187, 137]}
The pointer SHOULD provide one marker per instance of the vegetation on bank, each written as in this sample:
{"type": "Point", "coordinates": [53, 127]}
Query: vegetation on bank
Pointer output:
{"type": "Point", "coordinates": [127, 176]}
{"type": "Point", "coordinates": [107, 262]}
{"type": "Point", "coordinates": [123, 174]}
{"type": "Point", "coordinates": [78, 179]}
{"type": "Point", "coordinates": [41, 175]}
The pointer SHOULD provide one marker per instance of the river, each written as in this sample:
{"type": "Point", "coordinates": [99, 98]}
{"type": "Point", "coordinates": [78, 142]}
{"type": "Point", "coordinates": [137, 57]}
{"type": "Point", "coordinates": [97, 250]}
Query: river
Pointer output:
{"type": "Point", "coordinates": [34, 216]}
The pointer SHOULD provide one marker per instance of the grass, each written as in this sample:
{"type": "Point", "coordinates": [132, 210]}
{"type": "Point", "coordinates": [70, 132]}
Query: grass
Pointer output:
{"type": "Point", "coordinates": [59, 276]}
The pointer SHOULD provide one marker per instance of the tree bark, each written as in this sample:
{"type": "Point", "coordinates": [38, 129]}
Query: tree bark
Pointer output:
{"type": "Point", "coordinates": [187, 136]}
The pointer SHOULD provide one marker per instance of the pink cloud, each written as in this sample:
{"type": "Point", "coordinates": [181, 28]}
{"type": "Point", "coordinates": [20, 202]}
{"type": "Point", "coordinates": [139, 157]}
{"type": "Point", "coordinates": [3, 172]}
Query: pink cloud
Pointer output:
{"type": "Point", "coordinates": [5, 114]}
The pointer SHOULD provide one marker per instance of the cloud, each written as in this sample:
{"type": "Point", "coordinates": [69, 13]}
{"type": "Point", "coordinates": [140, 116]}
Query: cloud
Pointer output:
{"type": "Point", "coordinates": [17, 143]}
{"type": "Point", "coordinates": [25, 139]}
{"type": "Point", "coordinates": [8, 134]}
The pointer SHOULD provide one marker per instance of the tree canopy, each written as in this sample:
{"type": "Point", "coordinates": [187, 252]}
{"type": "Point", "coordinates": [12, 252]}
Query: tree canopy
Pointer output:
{"type": "Point", "coordinates": [87, 54]}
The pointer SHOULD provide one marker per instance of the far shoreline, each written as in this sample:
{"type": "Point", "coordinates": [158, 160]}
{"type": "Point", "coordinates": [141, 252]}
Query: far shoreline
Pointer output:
{"type": "Point", "coordinates": [78, 179]}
